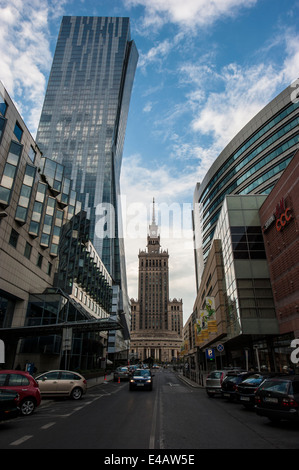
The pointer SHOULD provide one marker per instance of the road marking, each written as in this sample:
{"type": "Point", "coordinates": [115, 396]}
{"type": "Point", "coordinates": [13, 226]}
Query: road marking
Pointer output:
{"type": "Point", "coordinates": [154, 423]}
{"type": "Point", "coordinates": [20, 441]}
{"type": "Point", "coordinates": [46, 426]}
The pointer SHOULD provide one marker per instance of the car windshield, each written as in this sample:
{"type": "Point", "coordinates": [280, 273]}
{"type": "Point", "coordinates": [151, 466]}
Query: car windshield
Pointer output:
{"type": "Point", "coordinates": [253, 380]}
{"type": "Point", "coordinates": [215, 375]}
{"type": "Point", "coordinates": [141, 373]}
{"type": "Point", "coordinates": [279, 386]}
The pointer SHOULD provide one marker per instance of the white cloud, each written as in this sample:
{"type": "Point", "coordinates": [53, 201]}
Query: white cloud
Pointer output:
{"type": "Point", "coordinates": [26, 58]}
{"type": "Point", "coordinates": [173, 194]}
{"type": "Point", "coordinates": [188, 13]}
{"type": "Point", "coordinates": [225, 101]}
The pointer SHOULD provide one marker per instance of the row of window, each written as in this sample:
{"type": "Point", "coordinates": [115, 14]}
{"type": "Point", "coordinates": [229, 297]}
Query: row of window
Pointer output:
{"type": "Point", "coordinates": [13, 241]}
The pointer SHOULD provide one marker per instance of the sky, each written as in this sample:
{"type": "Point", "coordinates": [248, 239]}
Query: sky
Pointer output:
{"type": "Point", "coordinates": [206, 67]}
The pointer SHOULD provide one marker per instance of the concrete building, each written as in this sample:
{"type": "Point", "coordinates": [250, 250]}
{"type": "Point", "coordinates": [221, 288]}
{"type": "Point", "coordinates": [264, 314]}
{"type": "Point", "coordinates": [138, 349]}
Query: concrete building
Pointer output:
{"type": "Point", "coordinates": [83, 125]}
{"type": "Point", "coordinates": [157, 322]}
{"type": "Point", "coordinates": [245, 320]}
{"type": "Point", "coordinates": [50, 277]}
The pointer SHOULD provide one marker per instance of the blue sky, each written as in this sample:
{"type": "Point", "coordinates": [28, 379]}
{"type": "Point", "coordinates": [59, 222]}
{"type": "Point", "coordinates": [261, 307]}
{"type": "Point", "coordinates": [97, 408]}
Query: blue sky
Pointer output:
{"type": "Point", "coordinates": [206, 67]}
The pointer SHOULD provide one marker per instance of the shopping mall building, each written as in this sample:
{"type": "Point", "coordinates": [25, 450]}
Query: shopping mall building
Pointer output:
{"type": "Point", "coordinates": [238, 262]}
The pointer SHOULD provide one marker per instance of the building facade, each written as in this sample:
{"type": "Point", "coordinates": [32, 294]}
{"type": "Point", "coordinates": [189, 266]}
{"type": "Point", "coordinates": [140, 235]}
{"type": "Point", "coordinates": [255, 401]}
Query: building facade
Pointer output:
{"type": "Point", "coordinates": [279, 216]}
{"type": "Point", "coordinates": [157, 322]}
{"type": "Point", "coordinates": [83, 125]}
{"type": "Point", "coordinates": [50, 276]}
{"type": "Point", "coordinates": [245, 321]}
{"type": "Point", "coordinates": [251, 163]}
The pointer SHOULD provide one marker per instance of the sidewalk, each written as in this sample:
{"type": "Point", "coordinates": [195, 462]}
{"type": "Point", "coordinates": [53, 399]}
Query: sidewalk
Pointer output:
{"type": "Point", "coordinates": [188, 381]}
{"type": "Point", "coordinates": [99, 380]}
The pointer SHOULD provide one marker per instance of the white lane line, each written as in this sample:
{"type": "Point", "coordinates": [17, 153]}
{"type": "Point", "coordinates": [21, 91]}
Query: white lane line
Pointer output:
{"type": "Point", "coordinates": [20, 441]}
{"type": "Point", "coordinates": [154, 422]}
{"type": "Point", "coordinates": [47, 426]}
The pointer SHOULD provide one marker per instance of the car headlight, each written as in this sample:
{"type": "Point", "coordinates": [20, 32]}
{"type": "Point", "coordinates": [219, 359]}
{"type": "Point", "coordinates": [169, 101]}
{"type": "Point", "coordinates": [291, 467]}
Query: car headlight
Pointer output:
{"type": "Point", "coordinates": [149, 381]}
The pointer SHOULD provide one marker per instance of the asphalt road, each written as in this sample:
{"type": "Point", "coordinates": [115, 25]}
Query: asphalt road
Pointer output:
{"type": "Point", "coordinates": [174, 416]}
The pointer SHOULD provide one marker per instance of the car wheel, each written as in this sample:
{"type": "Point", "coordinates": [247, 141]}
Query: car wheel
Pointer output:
{"type": "Point", "coordinates": [76, 393]}
{"type": "Point", "coordinates": [27, 407]}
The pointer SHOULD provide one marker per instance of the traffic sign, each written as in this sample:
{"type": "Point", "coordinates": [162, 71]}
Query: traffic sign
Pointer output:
{"type": "Point", "coordinates": [210, 353]}
{"type": "Point", "coordinates": [220, 347]}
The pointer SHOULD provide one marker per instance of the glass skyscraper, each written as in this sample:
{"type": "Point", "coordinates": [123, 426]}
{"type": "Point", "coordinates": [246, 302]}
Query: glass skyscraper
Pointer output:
{"type": "Point", "coordinates": [84, 118]}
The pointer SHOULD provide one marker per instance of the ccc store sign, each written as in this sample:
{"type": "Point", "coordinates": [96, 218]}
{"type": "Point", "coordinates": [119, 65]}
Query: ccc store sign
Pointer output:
{"type": "Point", "coordinates": [284, 218]}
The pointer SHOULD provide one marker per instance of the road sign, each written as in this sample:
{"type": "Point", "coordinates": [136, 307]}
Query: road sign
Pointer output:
{"type": "Point", "coordinates": [210, 353]}
{"type": "Point", "coordinates": [220, 347]}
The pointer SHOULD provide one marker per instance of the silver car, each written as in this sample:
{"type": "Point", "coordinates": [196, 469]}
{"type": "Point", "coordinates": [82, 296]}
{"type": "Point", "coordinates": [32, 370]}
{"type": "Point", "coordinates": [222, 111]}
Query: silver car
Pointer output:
{"type": "Point", "coordinates": [214, 381]}
{"type": "Point", "coordinates": [121, 373]}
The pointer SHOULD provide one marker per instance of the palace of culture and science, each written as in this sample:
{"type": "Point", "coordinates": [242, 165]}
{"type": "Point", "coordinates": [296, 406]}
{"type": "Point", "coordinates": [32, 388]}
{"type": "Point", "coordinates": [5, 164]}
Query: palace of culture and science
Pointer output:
{"type": "Point", "coordinates": [157, 322]}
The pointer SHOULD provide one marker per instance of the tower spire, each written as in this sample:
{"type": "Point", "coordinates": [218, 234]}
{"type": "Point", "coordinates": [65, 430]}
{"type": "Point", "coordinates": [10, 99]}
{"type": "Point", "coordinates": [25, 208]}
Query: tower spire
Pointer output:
{"type": "Point", "coordinates": [154, 217]}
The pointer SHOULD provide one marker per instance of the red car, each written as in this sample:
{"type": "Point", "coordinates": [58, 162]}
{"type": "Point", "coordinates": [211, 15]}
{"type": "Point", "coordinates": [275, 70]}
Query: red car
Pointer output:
{"type": "Point", "coordinates": [25, 385]}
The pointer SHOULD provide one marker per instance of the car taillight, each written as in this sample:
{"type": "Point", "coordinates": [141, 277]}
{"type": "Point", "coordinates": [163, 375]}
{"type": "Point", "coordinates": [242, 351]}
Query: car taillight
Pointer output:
{"type": "Point", "coordinates": [85, 381]}
{"type": "Point", "coordinates": [289, 402]}
{"type": "Point", "coordinates": [257, 399]}
{"type": "Point", "coordinates": [221, 378]}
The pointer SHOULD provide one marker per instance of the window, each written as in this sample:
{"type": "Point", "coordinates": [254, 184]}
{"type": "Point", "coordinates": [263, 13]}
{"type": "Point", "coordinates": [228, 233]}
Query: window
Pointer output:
{"type": "Point", "coordinates": [3, 105]}
{"type": "Point", "coordinates": [18, 131]}
{"type": "Point", "coordinates": [32, 154]}
{"type": "Point", "coordinates": [18, 379]}
{"type": "Point", "coordinates": [39, 260]}
{"type": "Point", "coordinates": [13, 240]}
{"type": "Point", "coordinates": [49, 268]}
{"type": "Point", "coordinates": [28, 249]}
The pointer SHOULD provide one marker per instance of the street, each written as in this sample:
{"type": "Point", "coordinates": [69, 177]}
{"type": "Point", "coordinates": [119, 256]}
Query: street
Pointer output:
{"type": "Point", "coordinates": [174, 416]}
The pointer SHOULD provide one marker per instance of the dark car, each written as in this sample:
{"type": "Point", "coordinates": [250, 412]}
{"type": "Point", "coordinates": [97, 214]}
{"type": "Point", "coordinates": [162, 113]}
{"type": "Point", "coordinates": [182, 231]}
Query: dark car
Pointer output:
{"type": "Point", "coordinates": [9, 408]}
{"type": "Point", "coordinates": [25, 385]}
{"type": "Point", "coordinates": [245, 391]}
{"type": "Point", "coordinates": [230, 383]}
{"type": "Point", "coordinates": [141, 379]}
{"type": "Point", "coordinates": [277, 398]}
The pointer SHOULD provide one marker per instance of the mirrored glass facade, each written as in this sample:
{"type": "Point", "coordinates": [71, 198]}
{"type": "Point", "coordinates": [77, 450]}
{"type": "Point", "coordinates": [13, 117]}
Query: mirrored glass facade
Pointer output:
{"type": "Point", "coordinates": [83, 120]}
{"type": "Point", "coordinates": [251, 163]}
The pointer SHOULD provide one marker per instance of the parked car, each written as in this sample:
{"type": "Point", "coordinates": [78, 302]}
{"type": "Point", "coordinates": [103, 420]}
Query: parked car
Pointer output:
{"type": "Point", "coordinates": [214, 380]}
{"type": "Point", "coordinates": [141, 379]}
{"type": "Point", "coordinates": [230, 383]}
{"type": "Point", "coordinates": [25, 385]}
{"type": "Point", "coordinates": [121, 373]}
{"type": "Point", "coordinates": [245, 392]}
{"type": "Point", "coordinates": [9, 401]}
{"type": "Point", "coordinates": [62, 383]}
{"type": "Point", "coordinates": [277, 398]}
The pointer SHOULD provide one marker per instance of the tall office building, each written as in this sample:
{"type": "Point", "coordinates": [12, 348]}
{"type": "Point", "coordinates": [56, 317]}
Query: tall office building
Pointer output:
{"type": "Point", "coordinates": [84, 118]}
{"type": "Point", "coordinates": [157, 322]}
{"type": "Point", "coordinates": [83, 125]}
